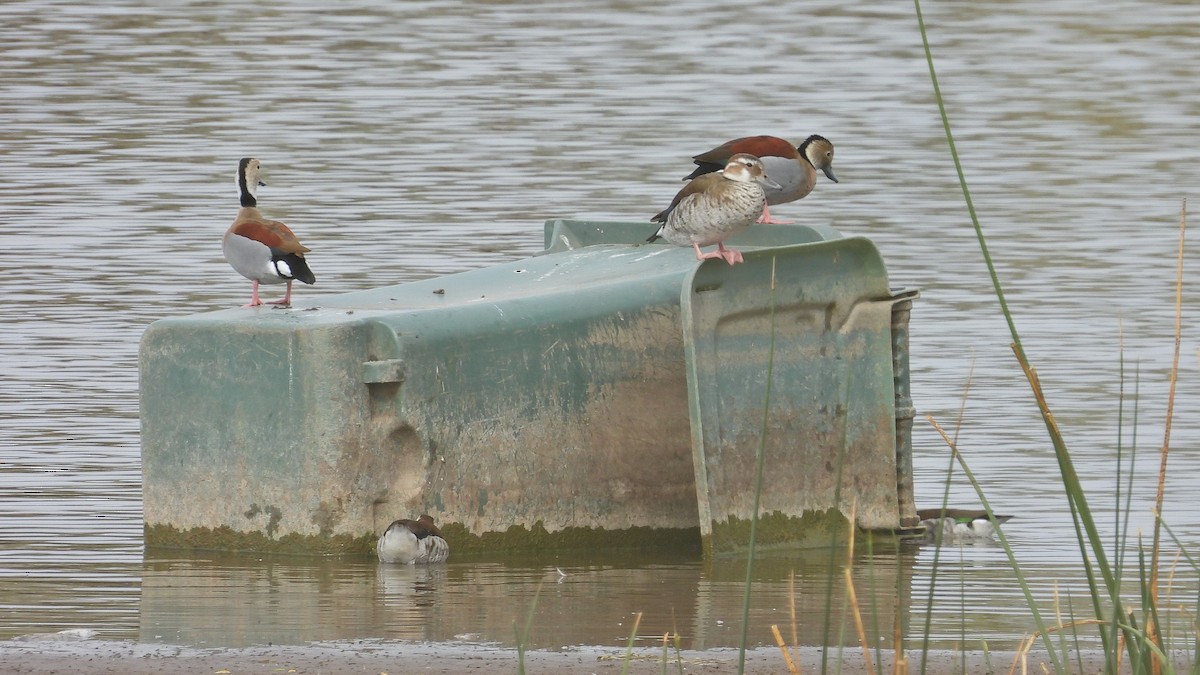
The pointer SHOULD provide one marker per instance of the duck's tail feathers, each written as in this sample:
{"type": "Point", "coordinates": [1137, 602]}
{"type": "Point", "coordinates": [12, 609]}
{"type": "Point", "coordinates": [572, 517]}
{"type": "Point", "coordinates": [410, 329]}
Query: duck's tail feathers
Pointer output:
{"type": "Point", "coordinates": [298, 268]}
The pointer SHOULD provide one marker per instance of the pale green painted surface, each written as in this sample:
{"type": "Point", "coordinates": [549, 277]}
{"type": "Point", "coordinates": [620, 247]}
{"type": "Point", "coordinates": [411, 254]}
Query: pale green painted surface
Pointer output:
{"type": "Point", "coordinates": [831, 413]}
{"type": "Point", "coordinates": [549, 394]}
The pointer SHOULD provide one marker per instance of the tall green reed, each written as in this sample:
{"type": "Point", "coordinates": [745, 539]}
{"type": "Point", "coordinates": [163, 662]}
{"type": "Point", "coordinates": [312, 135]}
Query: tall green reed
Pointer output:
{"type": "Point", "coordinates": [1143, 644]}
{"type": "Point", "coordinates": [523, 632]}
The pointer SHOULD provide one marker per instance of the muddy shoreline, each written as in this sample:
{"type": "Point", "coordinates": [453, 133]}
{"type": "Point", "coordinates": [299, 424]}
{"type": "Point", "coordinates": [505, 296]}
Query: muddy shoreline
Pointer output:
{"type": "Point", "coordinates": [46, 656]}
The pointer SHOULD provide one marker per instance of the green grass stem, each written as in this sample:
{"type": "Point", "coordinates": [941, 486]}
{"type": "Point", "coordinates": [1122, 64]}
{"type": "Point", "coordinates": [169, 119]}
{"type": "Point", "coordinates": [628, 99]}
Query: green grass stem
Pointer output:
{"type": "Point", "coordinates": [962, 179]}
{"type": "Point", "coordinates": [874, 592]}
{"type": "Point", "coordinates": [637, 620]}
{"type": "Point", "coordinates": [1091, 548]}
{"type": "Point", "coordinates": [523, 633]}
{"type": "Point", "coordinates": [843, 397]}
{"type": "Point", "coordinates": [1012, 560]}
{"type": "Point", "coordinates": [1195, 669]}
{"type": "Point", "coordinates": [1123, 511]}
{"type": "Point", "coordinates": [935, 566]}
{"type": "Point", "coordinates": [665, 653]}
{"type": "Point", "coordinates": [678, 652]}
{"type": "Point", "coordinates": [1075, 631]}
{"type": "Point", "coordinates": [759, 460]}
{"type": "Point", "coordinates": [945, 502]}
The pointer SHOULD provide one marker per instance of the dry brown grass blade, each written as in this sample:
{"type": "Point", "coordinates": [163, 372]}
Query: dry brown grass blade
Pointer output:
{"type": "Point", "coordinates": [1121, 641]}
{"type": "Point", "coordinates": [1152, 630]}
{"type": "Point", "coordinates": [1171, 581]}
{"type": "Point", "coordinates": [858, 624]}
{"type": "Point", "coordinates": [787, 657]}
{"type": "Point", "coordinates": [1022, 655]}
{"type": "Point", "coordinates": [853, 597]}
{"type": "Point", "coordinates": [1017, 659]}
{"type": "Point", "coordinates": [792, 604]}
{"type": "Point", "coordinates": [899, 661]}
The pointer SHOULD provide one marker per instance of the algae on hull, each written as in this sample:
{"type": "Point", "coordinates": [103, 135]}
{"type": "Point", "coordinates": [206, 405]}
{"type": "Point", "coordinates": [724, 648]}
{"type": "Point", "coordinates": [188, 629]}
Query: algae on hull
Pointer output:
{"type": "Point", "coordinates": [462, 541]}
{"type": "Point", "coordinates": [227, 539]}
{"type": "Point", "coordinates": [815, 529]}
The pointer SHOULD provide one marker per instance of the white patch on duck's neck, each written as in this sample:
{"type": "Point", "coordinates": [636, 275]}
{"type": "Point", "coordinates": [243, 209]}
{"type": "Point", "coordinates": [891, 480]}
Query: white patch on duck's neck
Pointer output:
{"type": "Point", "coordinates": [251, 188]}
{"type": "Point", "coordinates": [247, 183]}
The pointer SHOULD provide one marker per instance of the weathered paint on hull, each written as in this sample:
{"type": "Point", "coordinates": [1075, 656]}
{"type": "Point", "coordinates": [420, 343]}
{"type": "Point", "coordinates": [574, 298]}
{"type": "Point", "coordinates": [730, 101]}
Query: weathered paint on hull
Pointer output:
{"type": "Point", "coordinates": [542, 403]}
{"type": "Point", "coordinates": [828, 435]}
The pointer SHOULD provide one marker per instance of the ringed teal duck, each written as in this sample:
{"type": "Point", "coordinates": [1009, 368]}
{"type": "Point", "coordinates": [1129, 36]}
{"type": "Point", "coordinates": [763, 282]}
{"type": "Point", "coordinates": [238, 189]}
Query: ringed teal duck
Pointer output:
{"type": "Point", "coordinates": [262, 250]}
{"type": "Point", "coordinates": [959, 525]}
{"type": "Point", "coordinates": [716, 206]}
{"type": "Point", "coordinates": [793, 167]}
{"type": "Point", "coordinates": [412, 541]}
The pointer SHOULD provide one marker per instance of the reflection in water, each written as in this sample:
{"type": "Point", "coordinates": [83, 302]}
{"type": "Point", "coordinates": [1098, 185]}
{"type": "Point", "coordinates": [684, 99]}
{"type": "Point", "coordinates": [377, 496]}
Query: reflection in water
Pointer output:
{"type": "Point", "coordinates": [239, 601]}
{"type": "Point", "coordinates": [231, 600]}
{"type": "Point", "coordinates": [413, 139]}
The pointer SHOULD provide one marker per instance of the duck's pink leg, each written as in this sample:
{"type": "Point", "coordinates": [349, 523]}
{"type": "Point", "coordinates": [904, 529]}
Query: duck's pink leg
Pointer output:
{"type": "Point", "coordinates": [766, 219]}
{"type": "Point", "coordinates": [287, 297]}
{"type": "Point", "coordinates": [731, 255]}
{"type": "Point", "coordinates": [254, 299]}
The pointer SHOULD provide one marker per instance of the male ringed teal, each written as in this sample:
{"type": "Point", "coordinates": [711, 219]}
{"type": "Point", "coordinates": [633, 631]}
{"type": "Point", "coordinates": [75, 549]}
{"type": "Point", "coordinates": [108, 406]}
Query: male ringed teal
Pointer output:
{"type": "Point", "coordinates": [959, 525]}
{"type": "Point", "coordinates": [793, 167]}
{"type": "Point", "coordinates": [716, 206]}
{"type": "Point", "coordinates": [262, 250]}
{"type": "Point", "coordinates": [412, 541]}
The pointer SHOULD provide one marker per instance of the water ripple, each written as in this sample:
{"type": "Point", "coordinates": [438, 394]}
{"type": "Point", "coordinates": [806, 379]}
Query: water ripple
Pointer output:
{"type": "Point", "coordinates": [407, 140]}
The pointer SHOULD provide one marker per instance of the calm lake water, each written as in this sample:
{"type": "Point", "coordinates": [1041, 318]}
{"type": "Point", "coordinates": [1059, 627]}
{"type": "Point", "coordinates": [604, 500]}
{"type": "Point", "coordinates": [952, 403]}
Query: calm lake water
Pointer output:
{"type": "Point", "coordinates": [407, 140]}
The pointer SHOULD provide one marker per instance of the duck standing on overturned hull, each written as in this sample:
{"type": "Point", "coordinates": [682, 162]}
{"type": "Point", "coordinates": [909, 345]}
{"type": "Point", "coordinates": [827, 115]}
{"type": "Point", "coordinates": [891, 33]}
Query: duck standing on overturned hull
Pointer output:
{"type": "Point", "coordinates": [793, 167]}
{"type": "Point", "coordinates": [412, 541]}
{"type": "Point", "coordinates": [716, 206]}
{"type": "Point", "coordinates": [264, 251]}
{"type": "Point", "coordinates": [959, 525]}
